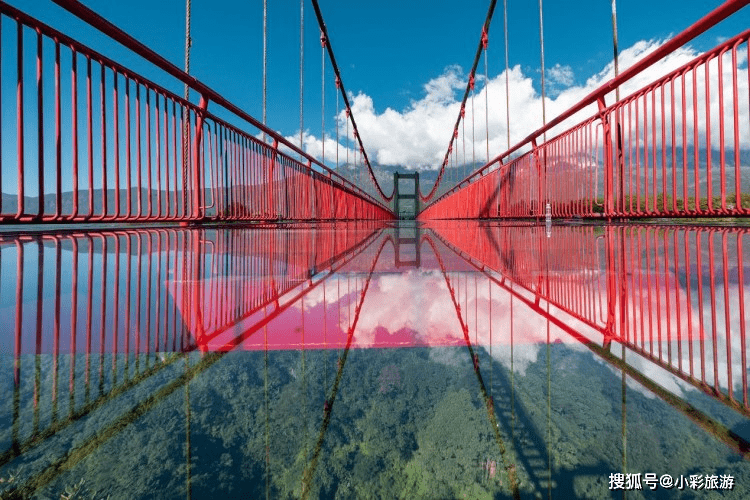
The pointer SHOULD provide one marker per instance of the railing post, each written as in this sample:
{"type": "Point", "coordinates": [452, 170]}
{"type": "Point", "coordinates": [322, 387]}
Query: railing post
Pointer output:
{"type": "Point", "coordinates": [536, 209]}
{"type": "Point", "coordinates": [198, 195]}
{"type": "Point", "coordinates": [198, 285]}
{"type": "Point", "coordinates": [617, 296]}
{"type": "Point", "coordinates": [395, 195]}
{"type": "Point", "coordinates": [609, 187]}
{"type": "Point", "coordinates": [270, 181]}
{"type": "Point", "coordinates": [416, 194]}
{"type": "Point", "coordinates": [310, 193]}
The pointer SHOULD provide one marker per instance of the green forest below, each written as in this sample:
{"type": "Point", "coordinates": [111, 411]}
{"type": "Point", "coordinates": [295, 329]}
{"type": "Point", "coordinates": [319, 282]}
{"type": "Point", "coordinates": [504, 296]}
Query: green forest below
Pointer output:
{"type": "Point", "coordinates": [405, 423]}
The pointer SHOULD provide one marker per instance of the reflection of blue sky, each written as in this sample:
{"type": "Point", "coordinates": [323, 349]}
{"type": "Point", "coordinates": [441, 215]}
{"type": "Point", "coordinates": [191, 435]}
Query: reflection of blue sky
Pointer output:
{"type": "Point", "coordinates": [41, 269]}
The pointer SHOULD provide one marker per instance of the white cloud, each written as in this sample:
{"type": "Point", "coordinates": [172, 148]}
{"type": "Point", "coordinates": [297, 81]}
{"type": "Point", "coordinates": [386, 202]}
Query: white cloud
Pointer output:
{"type": "Point", "coordinates": [418, 136]}
{"type": "Point", "coordinates": [560, 76]}
{"type": "Point", "coordinates": [314, 146]}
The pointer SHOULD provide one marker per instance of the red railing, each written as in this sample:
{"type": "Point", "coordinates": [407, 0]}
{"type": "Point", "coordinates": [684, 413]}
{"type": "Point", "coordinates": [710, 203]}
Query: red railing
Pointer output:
{"type": "Point", "coordinates": [674, 148]}
{"type": "Point", "coordinates": [107, 144]}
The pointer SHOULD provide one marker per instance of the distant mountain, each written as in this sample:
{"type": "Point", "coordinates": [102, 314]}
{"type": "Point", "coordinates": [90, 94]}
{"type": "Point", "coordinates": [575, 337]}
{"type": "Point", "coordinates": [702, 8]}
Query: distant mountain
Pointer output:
{"type": "Point", "coordinates": [427, 177]}
{"type": "Point", "coordinates": [31, 203]}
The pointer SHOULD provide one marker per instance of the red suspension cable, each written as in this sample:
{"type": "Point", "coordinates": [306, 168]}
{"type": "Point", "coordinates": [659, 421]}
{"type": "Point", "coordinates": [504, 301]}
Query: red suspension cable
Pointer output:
{"type": "Point", "coordinates": [337, 73]}
{"type": "Point", "coordinates": [469, 86]}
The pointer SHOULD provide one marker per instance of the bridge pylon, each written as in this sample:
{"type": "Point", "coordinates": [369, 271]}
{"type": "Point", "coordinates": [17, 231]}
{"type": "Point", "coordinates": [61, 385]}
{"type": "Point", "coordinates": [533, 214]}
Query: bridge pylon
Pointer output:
{"type": "Point", "coordinates": [404, 211]}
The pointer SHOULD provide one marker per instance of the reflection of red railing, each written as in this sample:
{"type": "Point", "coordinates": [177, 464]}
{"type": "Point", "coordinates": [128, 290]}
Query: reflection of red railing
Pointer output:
{"type": "Point", "coordinates": [628, 250]}
{"type": "Point", "coordinates": [567, 269]}
{"type": "Point", "coordinates": [224, 313]}
{"type": "Point", "coordinates": [671, 149]}
{"type": "Point", "coordinates": [118, 303]}
{"type": "Point", "coordinates": [681, 299]}
{"type": "Point", "coordinates": [107, 144]}
{"type": "Point", "coordinates": [675, 296]}
{"type": "Point", "coordinates": [142, 291]}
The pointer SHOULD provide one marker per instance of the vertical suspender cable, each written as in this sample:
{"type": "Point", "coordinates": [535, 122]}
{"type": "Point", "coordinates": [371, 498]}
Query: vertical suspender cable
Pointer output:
{"type": "Point", "coordinates": [473, 141]}
{"type": "Point", "coordinates": [458, 157]}
{"type": "Point", "coordinates": [617, 92]}
{"type": "Point", "coordinates": [265, 60]}
{"type": "Point", "coordinates": [323, 94]}
{"type": "Point", "coordinates": [507, 77]}
{"type": "Point", "coordinates": [301, 73]}
{"type": "Point", "coordinates": [454, 165]}
{"type": "Point", "coordinates": [451, 174]}
{"type": "Point", "coordinates": [485, 42]}
{"type": "Point", "coordinates": [544, 116]}
{"type": "Point", "coordinates": [466, 303]}
{"type": "Point", "coordinates": [614, 43]}
{"type": "Point", "coordinates": [463, 138]}
{"type": "Point", "coordinates": [507, 108]}
{"type": "Point", "coordinates": [541, 45]}
{"type": "Point", "coordinates": [624, 413]}
{"type": "Point", "coordinates": [322, 113]}
{"type": "Point", "coordinates": [347, 138]}
{"type": "Point", "coordinates": [186, 126]}
{"type": "Point", "coordinates": [356, 166]}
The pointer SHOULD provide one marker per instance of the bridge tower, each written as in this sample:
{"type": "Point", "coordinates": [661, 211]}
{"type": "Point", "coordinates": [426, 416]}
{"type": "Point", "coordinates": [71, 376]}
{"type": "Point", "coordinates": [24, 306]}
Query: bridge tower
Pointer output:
{"type": "Point", "coordinates": [405, 210]}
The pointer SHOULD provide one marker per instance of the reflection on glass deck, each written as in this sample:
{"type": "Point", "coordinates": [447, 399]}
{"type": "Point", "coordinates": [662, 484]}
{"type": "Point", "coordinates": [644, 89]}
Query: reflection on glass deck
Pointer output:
{"type": "Point", "coordinates": [442, 360]}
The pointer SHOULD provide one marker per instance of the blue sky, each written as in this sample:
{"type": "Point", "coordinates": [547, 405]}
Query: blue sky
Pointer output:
{"type": "Point", "coordinates": [388, 51]}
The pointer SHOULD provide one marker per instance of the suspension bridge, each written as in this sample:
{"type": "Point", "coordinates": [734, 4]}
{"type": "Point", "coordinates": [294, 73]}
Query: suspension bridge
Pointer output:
{"type": "Point", "coordinates": [597, 287]}
{"type": "Point", "coordinates": [106, 144]}
{"type": "Point", "coordinates": [145, 219]}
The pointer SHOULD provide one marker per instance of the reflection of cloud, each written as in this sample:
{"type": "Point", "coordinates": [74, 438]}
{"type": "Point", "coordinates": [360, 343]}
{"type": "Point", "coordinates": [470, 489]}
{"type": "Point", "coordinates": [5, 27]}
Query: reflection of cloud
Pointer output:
{"type": "Point", "coordinates": [652, 371]}
{"type": "Point", "coordinates": [448, 356]}
{"type": "Point", "coordinates": [417, 301]}
{"type": "Point", "coordinates": [420, 302]}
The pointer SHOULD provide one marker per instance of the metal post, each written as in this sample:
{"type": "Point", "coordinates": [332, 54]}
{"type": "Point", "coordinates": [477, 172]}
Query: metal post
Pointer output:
{"type": "Point", "coordinates": [416, 194]}
{"type": "Point", "coordinates": [395, 195]}
{"type": "Point", "coordinates": [197, 187]}
{"type": "Point", "coordinates": [609, 202]}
